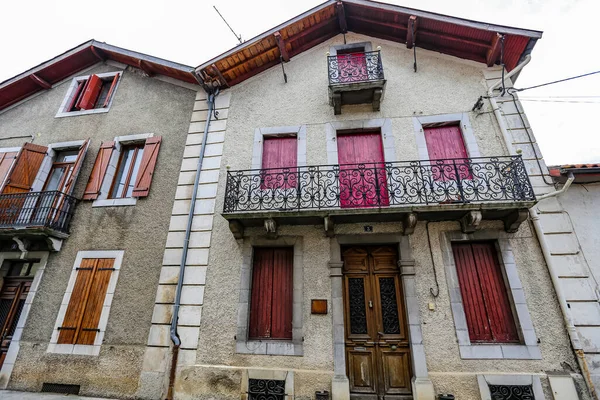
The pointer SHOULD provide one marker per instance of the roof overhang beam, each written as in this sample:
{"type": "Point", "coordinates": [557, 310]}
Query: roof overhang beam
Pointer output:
{"type": "Point", "coordinates": [411, 31]}
{"type": "Point", "coordinates": [281, 45]}
{"type": "Point", "coordinates": [494, 51]}
{"type": "Point", "coordinates": [44, 84]}
{"type": "Point", "coordinates": [341, 13]}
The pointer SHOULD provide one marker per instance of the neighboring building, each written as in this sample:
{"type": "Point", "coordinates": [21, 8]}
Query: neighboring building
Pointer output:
{"type": "Point", "coordinates": [371, 235]}
{"type": "Point", "coordinates": [79, 278]}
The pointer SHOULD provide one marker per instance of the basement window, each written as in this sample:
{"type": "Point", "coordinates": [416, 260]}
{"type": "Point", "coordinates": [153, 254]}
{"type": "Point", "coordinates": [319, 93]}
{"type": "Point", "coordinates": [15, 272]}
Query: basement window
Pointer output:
{"type": "Point", "coordinates": [90, 94]}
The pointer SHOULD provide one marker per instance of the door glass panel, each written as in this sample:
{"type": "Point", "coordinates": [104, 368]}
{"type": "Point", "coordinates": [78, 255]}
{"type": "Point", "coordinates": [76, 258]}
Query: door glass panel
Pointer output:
{"type": "Point", "coordinates": [127, 156]}
{"type": "Point", "coordinates": [389, 305]}
{"type": "Point", "coordinates": [67, 156]}
{"type": "Point", "coordinates": [55, 178]}
{"type": "Point", "coordinates": [134, 173]}
{"type": "Point", "coordinates": [358, 315]}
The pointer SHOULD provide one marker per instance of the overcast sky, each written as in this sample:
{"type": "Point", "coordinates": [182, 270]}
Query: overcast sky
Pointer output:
{"type": "Point", "coordinates": [190, 32]}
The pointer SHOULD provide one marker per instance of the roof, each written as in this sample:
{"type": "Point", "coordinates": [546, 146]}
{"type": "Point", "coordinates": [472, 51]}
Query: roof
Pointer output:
{"type": "Point", "coordinates": [463, 38]}
{"type": "Point", "coordinates": [85, 55]}
{"type": "Point", "coordinates": [584, 173]}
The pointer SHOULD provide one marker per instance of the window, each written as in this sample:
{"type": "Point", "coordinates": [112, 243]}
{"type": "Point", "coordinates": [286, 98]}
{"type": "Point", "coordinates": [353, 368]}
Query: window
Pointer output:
{"type": "Point", "coordinates": [127, 171]}
{"type": "Point", "coordinates": [90, 94]}
{"type": "Point", "coordinates": [484, 293]}
{"type": "Point", "coordinates": [279, 159]}
{"type": "Point", "coordinates": [132, 160]}
{"type": "Point", "coordinates": [6, 161]}
{"type": "Point", "coordinates": [271, 293]}
{"type": "Point", "coordinates": [447, 153]}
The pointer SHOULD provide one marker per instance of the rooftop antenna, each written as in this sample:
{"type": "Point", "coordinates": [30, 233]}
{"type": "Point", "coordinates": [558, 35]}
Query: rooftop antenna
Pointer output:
{"type": "Point", "coordinates": [239, 38]}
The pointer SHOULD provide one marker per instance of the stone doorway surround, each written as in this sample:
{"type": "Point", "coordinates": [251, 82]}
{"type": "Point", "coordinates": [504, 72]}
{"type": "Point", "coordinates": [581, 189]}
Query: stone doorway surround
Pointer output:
{"type": "Point", "coordinates": [422, 386]}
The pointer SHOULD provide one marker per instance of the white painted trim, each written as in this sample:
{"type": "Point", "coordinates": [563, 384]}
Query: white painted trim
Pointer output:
{"type": "Point", "coordinates": [522, 380]}
{"type": "Point", "coordinates": [128, 201]}
{"type": "Point", "coordinates": [79, 349]}
{"type": "Point", "coordinates": [529, 348]}
{"type": "Point", "coordinates": [71, 93]}
{"type": "Point", "coordinates": [13, 349]}
{"type": "Point", "coordinates": [260, 133]}
{"type": "Point", "coordinates": [465, 127]}
{"type": "Point", "coordinates": [128, 139]}
{"type": "Point", "coordinates": [9, 149]}
{"type": "Point", "coordinates": [384, 125]}
{"type": "Point", "coordinates": [66, 145]}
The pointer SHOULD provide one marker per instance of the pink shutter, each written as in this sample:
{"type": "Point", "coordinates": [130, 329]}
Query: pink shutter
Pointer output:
{"type": "Point", "coordinates": [280, 159]}
{"type": "Point", "coordinates": [363, 178]}
{"type": "Point", "coordinates": [261, 294]}
{"type": "Point", "coordinates": [443, 143]}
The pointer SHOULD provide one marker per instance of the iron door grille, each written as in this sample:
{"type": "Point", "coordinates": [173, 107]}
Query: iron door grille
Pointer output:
{"type": "Point", "coordinates": [266, 389]}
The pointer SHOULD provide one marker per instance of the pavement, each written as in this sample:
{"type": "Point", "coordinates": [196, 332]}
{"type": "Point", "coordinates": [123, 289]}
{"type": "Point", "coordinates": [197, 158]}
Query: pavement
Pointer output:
{"type": "Point", "coordinates": [14, 395]}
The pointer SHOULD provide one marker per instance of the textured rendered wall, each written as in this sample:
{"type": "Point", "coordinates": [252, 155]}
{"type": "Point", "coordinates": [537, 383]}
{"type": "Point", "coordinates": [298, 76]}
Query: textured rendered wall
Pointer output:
{"type": "Point", "coordinates": [443, 85]}
{"type": "Point", "coordinates": [140, 105]}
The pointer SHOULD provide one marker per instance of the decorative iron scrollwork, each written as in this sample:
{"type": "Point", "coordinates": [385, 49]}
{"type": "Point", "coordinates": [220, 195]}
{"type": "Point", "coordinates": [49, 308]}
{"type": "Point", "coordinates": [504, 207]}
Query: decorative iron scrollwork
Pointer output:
{"type": "Point", "coordinates": [50, 209]}
{"type": "Point", "coordinates": [358, 314]}
{"type": "Point", "coordinates": [266, 389]}
{"type": "Point", "coordinates": [355, 67]}
{"type": "Point", "coordinates": [511, 392]}
{"type": "Point", "coordinates": [455, 181]}
{"type": "Point", "coordinates": [389, 306]}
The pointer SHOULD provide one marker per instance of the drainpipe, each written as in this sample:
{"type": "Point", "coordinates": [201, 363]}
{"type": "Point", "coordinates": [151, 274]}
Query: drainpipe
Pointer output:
{"type": "Point", "coordinates": [186, 241]}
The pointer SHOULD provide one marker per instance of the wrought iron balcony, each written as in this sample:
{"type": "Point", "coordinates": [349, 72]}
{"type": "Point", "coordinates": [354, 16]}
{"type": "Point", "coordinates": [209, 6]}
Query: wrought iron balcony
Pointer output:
{"type": "Point", "coordinates": [355, 78]}
{"type": "Point", "coordinates": [377, 192]}
{"type": "Point", "coordinates": [37, 212]}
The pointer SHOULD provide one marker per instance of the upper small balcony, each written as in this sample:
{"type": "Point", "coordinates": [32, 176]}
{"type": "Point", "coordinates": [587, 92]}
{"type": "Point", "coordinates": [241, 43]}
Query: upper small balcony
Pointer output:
{"type": "Point", "coordinates": [28, 215]}
{"type": "Point", "coordinates": [467, 190]}
{"type": "Point", "coordinates": [355, 78]}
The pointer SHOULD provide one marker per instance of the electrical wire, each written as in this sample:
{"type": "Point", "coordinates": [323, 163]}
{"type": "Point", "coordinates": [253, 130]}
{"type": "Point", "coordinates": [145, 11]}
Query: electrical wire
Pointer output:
{"type": "Point", "coordinates": [558, 81]}
{"type": "Point", "coordinates": [561, 101]}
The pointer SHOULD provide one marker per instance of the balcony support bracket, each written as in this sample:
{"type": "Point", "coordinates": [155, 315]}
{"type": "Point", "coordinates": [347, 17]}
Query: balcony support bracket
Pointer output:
{"type": "Point", "coordinates": [22, 243]}
{"type": "Point", "coordinates": [377, 95]}
{"type": "Point", "coordinates": [329, 226]}
{"type": "Point", "coordinates": [514, 220]}
{"type": "Point", "coordinates": [409, 222]}
{"type": "Point", "coordinates": [271, 228]}
{"type": "Point", "coordinates": [470, 221]}
{"type": "Point", "coordinates": [337, 103]}
{"type": "Point", "coordinates": [54, 244]}
{"type": "Point", "coordinates": [236, 228]}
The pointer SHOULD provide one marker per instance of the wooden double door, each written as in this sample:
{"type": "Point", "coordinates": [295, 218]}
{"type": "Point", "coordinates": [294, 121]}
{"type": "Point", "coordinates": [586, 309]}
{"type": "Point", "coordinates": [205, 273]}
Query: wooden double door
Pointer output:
{"type": "Point", "coordinates": [377, 342]}
{"type": "Point", "coordinates": [12, 300]}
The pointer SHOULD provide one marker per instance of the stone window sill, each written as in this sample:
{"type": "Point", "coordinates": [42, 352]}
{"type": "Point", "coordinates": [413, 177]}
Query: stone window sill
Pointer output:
{"type": "Point", "coordinates": [500, 351]}
{"type": "Point", "coordinates": [269, 347]}
{"type": "Point", "coordinates": [115, 202]}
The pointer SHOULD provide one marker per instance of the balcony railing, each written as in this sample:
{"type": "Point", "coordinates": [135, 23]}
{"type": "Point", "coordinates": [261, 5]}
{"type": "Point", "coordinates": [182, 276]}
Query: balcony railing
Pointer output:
{"type": "Point", "coordinates": [451, 181]}
{"type": "Point", "coordinates": [38, 210]}
{"type": "Point", "coordinates": [355, 68]}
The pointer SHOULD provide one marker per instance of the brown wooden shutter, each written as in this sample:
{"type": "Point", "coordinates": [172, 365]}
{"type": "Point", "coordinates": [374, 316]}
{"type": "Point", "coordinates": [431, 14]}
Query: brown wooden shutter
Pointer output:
{"type": "Point", "coordinates": [92, 190]}
{"type": "Point", "coordinates": [70, 184]}
{"type": "Point", "coordinates": [147, 165]}
{"type": "Point", "coordinates": [484, 293]}
{"type": "Point", "coordinates": [80, 324]}
{"type": "Point", "coordinates": [271, 294]}
{"type": "Point", "coordinates": [90, 94]}
{"type": "Point", "coordinates": [111, 90]}
{"type": "Point", "coordinates": [25, 169]}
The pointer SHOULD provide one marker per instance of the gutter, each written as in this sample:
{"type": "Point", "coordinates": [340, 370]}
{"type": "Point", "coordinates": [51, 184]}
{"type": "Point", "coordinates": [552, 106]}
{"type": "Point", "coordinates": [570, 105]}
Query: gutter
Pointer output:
{"type": "Point", "coordinates": [186, 241]}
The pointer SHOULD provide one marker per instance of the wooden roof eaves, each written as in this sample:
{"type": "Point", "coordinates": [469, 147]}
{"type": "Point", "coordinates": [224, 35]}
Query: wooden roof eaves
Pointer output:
{"type": "Point", "coordinates": [446, 18]}
{"type": "Point", "coordinates": [263, 35]}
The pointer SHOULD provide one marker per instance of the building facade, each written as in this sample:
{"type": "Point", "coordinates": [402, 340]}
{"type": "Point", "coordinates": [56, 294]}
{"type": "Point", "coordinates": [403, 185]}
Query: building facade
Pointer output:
{"type": "Point", "coordinates": [88, 184]}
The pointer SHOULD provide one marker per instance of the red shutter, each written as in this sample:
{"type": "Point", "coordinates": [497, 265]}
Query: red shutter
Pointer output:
{"type": "Point", "coordinates": [446, 142]}
{"type": "Point", "coordinates": [70, 184]}
{"type": "Point", "coordinates": [484, 293]}
{"type": "Point", "coordinates": [25, 169]}
{"type": "Point", "coordinates": [147, 165]}
{"type": "Point", "coordinates": [272, 293]}
{"type": "Point", "coordinates": [92, 190]}
{"type": "Point", "coordinates": [91, 93]}
{"type": "Point", "coordinates": [362, 152]}
{"type": "Point", "coordinates": [111, 90]}
{"type": "Point", "coordinates": [76, 95]}
{"type": "Point", "coordinates": [279, 153]}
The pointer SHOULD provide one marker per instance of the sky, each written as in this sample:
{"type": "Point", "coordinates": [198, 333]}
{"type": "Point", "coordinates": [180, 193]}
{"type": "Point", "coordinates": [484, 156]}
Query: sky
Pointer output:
{"type": "Point", "coordinates": [191, 32]}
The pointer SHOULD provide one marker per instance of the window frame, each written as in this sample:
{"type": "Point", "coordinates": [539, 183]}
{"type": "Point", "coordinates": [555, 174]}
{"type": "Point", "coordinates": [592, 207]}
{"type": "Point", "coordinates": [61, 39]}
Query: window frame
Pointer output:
{"type": "Point", "coordinates": [137, 146]}
{"type": "Point", "coordinates": [71, 92]}
{"type": "Point", "coordinates": [84, 349]}
{"type": "Point", "coordinates": [528, 349]}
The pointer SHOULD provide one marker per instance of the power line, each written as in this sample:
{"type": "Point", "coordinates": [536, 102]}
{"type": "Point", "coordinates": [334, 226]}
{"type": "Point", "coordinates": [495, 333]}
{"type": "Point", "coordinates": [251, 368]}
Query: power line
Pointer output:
{"type": "Point", "coordinates": [239, 38]}
{"type": "Point", "coordinates": [561, 101]}
{"type": "Point", "coordinates": [558, 81]}
{"type": "Point", "coordinates": [559, 97]}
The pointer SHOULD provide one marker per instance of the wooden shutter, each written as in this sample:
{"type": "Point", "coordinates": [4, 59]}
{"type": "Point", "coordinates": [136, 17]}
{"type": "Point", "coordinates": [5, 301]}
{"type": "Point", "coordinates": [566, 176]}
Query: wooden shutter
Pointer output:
{"type": "Point", "coordinates": [76, 95]}
{"type": "Point", "coordinates": [147, 166]}
{"type": "Point", "coordinates": [279, 153]}
{"type": "Point", "coordinates": [6, 161]}
{"type": "Point", "coordinates": [25, 169]}
{"type": "Point", "coordinates": [80, 324]}
{"type": "Point", "coordinates": [111, 90]}
{"type": "Point", "coordinates": [443, 143]}
{"type": "Point", "coordinates": [90, 93]}
{"type": "Point", "coordinates": [70, 184]}
{"type": "Point", "coordinates": [92, 190]}
{"type": "Point", "coordinates": [271, 294]}
{"type": "Point", "coordinates": [485, 297]}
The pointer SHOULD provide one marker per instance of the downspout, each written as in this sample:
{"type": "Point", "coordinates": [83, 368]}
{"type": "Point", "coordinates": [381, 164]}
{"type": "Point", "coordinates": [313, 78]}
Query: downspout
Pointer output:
{"type": "Point", "coordinates": [186, 241]}
{"type": "Point", "coordinates": [541, 237]}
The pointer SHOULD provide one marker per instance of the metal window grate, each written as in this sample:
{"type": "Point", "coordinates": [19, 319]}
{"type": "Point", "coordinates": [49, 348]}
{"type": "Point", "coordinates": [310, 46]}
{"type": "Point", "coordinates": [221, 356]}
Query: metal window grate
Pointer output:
{"type": "Point", "coordinates": [511, 392]}
{"type": "Point", "coordinates": [60, 388]}
{"type": "Point", "coordinates": [266, 389]}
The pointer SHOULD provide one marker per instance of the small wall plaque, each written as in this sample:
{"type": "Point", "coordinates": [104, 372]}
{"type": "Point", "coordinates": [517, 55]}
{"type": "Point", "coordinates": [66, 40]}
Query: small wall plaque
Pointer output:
{"type": "Point", "coordinates": [318, 306]}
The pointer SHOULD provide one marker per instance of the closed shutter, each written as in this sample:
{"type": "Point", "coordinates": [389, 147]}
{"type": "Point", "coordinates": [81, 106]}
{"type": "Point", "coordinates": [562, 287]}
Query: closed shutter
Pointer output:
{"type": "Point", "coordinates": [280, 153]}
{"type": "Point", "coordinates": [445, 143]}
{"type": "Point", "coordinates": [147, 166]}
{"type": "Point", "coordinates": [484, 293]}
{"type": "Point", "coordinates": [25, 169]}
{"type": "Point", "coordinates": [271, 294]}
{"type": "Point", "coordinates": [80, 324]}
{"type": "Point", "coordinates": [90, 93]}
{"type": "Point", "coordinates": [70, 184]}
{"type": "Point", "coordinates": [113, 85]}
{"type": "Point", "coordinates": [94, 184]}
